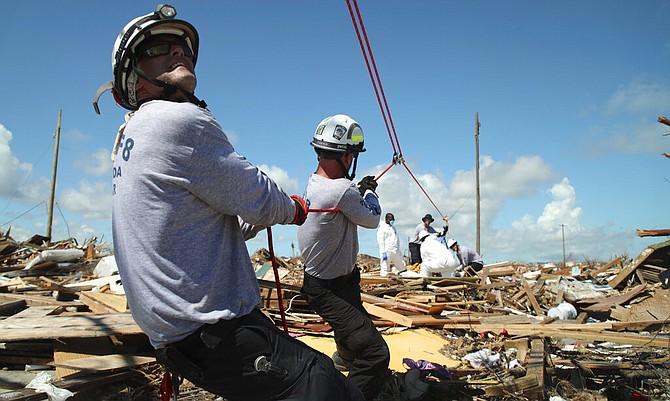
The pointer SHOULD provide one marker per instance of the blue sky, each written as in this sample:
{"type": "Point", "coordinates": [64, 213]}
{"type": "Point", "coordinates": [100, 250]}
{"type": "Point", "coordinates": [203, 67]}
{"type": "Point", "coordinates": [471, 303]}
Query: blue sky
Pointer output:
{"type": "Point", "coordinates": [568, 95]}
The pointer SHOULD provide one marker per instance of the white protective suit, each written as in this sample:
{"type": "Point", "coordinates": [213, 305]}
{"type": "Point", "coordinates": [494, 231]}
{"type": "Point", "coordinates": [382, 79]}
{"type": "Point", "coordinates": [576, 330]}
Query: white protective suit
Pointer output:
{"type": "Point", "coordinates": [389, 244]}
{"type": "Point", "coordinates": [436, 258]}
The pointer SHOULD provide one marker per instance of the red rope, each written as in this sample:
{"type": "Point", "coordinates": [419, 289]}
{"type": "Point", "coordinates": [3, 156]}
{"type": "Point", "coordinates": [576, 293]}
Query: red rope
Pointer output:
{"type": "Point", "coordinates": [323, 210]}
{"type": "Point", "coordinates": [384, 172]}
{"type": "Point", "coordinates": [378, 83]}
{"type": "Point", "coordinates": [374, 65]}
{"type": "Point", "coordinates": [424, 191]}
{"type": "Point", "coordinates": [367, 62]}
{"type": "Point", "coordinates": [275, 268]}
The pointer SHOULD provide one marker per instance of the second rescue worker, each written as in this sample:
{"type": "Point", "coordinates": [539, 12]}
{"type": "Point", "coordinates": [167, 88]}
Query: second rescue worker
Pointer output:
{"type": "Point", "coordinates": [328, 242]}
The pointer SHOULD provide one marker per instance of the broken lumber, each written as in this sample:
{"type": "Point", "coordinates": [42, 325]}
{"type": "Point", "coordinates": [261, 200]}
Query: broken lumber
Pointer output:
{"type": "Point", "coordinates": [653, 233]}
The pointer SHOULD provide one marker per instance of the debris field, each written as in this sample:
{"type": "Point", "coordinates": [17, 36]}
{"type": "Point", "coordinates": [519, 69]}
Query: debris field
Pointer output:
{"type": "Point", "coordinates": [514, 331]}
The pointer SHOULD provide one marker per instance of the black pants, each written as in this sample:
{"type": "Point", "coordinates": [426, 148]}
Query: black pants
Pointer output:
{"type": "Point", "coordinates": [414, 253]}
{"type": "Point", "coordinates": [222, 358]}
{"type": "Point", "coordinates": [476, 266]}
{"type": "Point", "coordinates": [338, 301]}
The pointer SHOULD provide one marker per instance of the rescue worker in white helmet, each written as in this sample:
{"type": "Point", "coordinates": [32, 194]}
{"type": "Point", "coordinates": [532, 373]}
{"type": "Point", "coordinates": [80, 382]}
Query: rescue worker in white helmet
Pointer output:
{"type": "Point", "coordinates": [466, 256]}
{"type": "Point", "coordinates": [184, 201]}
{"type": "Point", "coordinates": [328, 242]}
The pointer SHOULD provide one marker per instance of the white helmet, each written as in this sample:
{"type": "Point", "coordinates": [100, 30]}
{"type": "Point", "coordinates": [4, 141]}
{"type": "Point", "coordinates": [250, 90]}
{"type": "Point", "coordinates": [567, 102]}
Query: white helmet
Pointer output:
{"type": "Point", "coordinates": [124, 58]}
{"type": "Point", "coordinates": [339, 133]}
{"type": "Point", "coordinates": [451, 242]}
{"type": "Point", "coordinates": [423, 234]}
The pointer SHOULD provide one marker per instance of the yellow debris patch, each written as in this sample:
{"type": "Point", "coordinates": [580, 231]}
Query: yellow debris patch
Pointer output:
{"type": "Point", "coordinates": [414, 344]}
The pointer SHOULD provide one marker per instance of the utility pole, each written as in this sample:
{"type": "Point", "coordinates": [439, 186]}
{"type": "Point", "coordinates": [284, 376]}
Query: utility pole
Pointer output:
{"type": "Point", "coordinates": [53, 178]}
{"type": "Point", "coordinates": [477, 125]}
{"type": "Point", "coordinates": [563, 236]}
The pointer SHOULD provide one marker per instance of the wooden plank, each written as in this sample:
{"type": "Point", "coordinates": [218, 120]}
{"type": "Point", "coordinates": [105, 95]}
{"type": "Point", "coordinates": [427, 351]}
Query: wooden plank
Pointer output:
{"type": "Point", "coordinates": [117, 303]}
{"type": "Point", "coordinates": [73, 384]}
{"type": "Point", "coordinates": [626, 271]}
{"type": "Point", "coordinates": [498, 271]}
{"type": "Point", "coordinates": [582, 317]}
{"type": "Point", "coordinates": [12, 307]}
{"type": "Point", "coordinates": [521, 346]}
{"type": "Point", "coordinates": [485, 276]}
{"type": "Point", "coordinates": [398, 304]}
{"type": "Point", "coordinates": [579, 334]}
{"type": "Point", "coordinates": [94, 305]}
{"type": "Point", "coordinates": [16, 284]}
{"type": "Point", "coordinates": [34, 300]}
{"type": "Point", "coordinates": [498, 284]}
{"type": "Point", "coordinates": [58, 326]}
{"type": "Point", "coordinates": [519, 295]}
{"type": "Point", "coordinates": [54, 286]}
{"type": "Point", "coordinates": [473, 282]}
{"type": "Point", "coordinates": [77, 348]}
{"type": "Point", "coordinates": [606, 267]}
{"type": "Point", "coordinates": [531, 297]}
{"type": "Point", "coordinates": [35, 311]}
{"type": "Point", "coordinates": [653, 233]}
{"type": "Point", "coordinates": [386, 314]}
{"type": "Point", "coordinates": [652, 308]}
{"type": "Point", "coordinates": [437, 321]}
{"type": "Point", "coordinates": [106, 363]}
{"type": "Point", "coordinates": [532, 384]}
{"type": "Point", "coordinates": [604, 305]}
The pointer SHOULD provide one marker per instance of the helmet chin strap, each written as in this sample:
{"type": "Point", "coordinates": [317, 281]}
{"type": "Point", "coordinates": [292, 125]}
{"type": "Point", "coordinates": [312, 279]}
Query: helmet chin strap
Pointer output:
{"type": "Point", "coordinates": [169, 89]}
{"type": "Point", "coordinates": [346, 170]}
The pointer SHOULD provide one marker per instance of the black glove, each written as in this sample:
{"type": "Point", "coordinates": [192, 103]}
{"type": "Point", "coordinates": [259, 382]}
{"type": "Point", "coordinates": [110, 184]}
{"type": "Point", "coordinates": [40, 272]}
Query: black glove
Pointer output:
{"type": "Point", "coordinates": [368, 182]}
{"type": "Point", "coordinates": [445, 228]}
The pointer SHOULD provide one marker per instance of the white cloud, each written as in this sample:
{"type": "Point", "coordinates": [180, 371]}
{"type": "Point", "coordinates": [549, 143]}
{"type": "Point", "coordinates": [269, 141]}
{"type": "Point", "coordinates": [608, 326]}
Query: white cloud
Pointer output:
{"type": "Point", "coordinates": [638, 96]}
{"type": "Point", "coordinates": [647, 137]}
{"type": "Point", "coordinates": [98, 163]}
{"type": "Point", "coordinates": [499, 181]}
{"type": "Point", "coordinates": [542, 238]}
{"type": "Point", "coordinates": [561, 210]}
{"type": "Point", "coordinates": [281, 177]}
{"type": "Point", "coordinates": [11, 169]}
{"type": "Point", "coordinates": [639, 99]}
{"type": "Point", "coordinates": [93, 201]}
{"type": "Point", "coordinates": [527, 238]}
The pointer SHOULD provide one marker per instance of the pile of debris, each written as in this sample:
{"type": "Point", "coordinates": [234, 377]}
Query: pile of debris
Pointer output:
{"type": "Point", "coordinates": [516, 331]}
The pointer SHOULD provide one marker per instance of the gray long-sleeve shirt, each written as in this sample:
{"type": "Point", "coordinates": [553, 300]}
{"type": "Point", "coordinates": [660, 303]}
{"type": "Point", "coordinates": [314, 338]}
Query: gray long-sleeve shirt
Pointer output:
{"type": "Point", "coordinates": [179, 187]}
{"type": "Point", "coordinates": [328, 241]}
{"type": "Point", "coordinates": [468, 255]}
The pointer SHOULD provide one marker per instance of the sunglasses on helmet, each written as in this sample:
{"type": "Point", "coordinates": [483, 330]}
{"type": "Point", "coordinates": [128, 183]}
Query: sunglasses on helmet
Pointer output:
{"type": "Point", "coordinates": [161, 49]}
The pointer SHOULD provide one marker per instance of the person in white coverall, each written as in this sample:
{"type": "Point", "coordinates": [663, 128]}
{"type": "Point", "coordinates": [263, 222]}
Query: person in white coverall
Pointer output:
{"type": "Point", "coordinates": [389, 247]}
{"type": "Point", "coordinates": [435, 257]}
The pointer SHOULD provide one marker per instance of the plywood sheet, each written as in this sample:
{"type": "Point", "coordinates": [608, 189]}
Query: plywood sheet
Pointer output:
{"type": "Point", "coordinates": [415, 344]}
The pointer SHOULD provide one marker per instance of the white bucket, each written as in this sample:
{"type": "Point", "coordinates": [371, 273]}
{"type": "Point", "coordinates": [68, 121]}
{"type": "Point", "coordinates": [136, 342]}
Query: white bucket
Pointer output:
{"type": "Point", "coordinates": [563, 311]}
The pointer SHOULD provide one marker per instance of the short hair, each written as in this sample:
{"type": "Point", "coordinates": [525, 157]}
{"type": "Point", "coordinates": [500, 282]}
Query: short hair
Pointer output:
{"type": "Point", "coordinates": [328, 154]}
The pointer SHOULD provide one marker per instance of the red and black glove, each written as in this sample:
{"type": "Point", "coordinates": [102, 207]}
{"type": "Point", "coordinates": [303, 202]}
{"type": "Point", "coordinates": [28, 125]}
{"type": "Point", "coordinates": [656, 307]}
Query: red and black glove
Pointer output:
{"type": "Point", "coordinates": [301, 210]}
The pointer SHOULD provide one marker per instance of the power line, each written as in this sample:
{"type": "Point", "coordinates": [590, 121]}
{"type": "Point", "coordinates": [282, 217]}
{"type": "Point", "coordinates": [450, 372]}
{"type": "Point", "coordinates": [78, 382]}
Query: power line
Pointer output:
{"type": "Point", "coordinates": [22, 214]}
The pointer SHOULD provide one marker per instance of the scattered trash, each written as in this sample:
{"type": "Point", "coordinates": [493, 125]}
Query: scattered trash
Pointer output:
{"type": "Point", "coordinates": [42, 384]}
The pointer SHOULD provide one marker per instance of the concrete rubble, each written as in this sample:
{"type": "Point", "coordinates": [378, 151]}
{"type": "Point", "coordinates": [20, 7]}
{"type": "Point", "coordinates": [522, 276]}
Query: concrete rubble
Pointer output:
{"type": "Point", "coordinates": [517, 331]}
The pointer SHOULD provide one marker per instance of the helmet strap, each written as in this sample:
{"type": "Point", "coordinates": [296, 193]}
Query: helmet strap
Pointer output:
{"type": "Point", "coordinates": [169, 89]}
{"type": "Point", "coordinates": [346, 170]}
{"type": "Point", "coordinates": [353, 170]}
